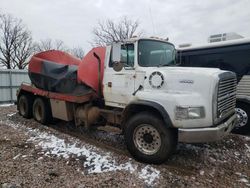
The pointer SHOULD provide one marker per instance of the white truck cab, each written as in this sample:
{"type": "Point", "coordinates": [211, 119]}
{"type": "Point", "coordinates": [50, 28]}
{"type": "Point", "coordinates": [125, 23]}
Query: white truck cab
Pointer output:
{"type": "Point", "coordinates": [200, 102]}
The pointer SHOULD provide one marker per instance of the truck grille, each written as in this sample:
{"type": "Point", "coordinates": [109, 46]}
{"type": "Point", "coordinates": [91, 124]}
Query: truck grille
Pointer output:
{"type": "Point", "coordinates": [226, 99]}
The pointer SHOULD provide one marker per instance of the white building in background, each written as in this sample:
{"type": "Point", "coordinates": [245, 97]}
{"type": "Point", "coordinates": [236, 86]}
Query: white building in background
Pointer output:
{"type": "Point", "coordinates": [224, 37]}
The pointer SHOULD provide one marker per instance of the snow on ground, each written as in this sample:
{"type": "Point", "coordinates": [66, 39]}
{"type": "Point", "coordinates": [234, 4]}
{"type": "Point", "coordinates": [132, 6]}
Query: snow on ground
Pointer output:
{"type": "Point", "coordinates": [12, 114]}
{"type": "Point", "coordinates": [247, 138]}
{"type": "Point", "coordinates": [97, 160]}
{"type": "Point", "coordinates": [244, 180]}
{"type": "Point", "coordinates": [149, 174]}
{"type": "Point", "coordinates": [6, 104]}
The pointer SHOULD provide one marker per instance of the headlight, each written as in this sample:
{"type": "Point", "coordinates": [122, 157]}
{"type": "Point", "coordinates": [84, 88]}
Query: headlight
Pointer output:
{"type": "Point", "coordinates": [189, 112]}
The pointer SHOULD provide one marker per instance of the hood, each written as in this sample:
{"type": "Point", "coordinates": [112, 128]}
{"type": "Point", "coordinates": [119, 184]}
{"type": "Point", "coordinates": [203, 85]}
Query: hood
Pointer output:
{"type": "Point", "coordinates": [180, 79]}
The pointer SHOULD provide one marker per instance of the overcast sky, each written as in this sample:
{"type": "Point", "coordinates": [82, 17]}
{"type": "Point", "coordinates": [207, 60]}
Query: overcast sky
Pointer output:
{"type": "Point", "coordinates": [182, 21]}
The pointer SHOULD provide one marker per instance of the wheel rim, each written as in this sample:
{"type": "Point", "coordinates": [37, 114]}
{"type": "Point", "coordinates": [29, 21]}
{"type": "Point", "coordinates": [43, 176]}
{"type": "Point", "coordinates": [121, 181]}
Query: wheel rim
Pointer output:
{"type": "Point", "coordinates": [22, 107]}
{"type": "Point", "coordinates": [147, 139]}
{"type": "Point", "coordinates": [242, 118]}
{"type": "Point", "coordinates": [38, 112]}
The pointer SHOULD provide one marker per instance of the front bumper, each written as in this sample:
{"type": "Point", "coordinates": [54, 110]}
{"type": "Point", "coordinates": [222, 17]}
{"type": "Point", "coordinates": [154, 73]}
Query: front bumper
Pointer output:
{"type": "Point", "coordinates": [209, 134]}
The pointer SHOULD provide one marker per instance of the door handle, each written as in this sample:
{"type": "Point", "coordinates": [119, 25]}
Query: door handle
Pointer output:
{"type": "Point", "coordinates": [109, 84]}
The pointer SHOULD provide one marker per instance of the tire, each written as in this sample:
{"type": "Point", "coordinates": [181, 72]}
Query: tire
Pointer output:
{"type": "Point", "coordinates": [42, 111]}
{"type": "Point", "coordinates": [243, 114]}
{"type": "Point", "coordinates": [24, 106]}
{"type": "Point", "coordinates": [148, 139]}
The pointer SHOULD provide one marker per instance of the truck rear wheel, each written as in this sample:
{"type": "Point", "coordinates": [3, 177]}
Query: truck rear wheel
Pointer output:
{"type": "Point", "coordinates": [243, 114]}
{"type": "Point", "coordinates": [42, 111]}
{"type": "Point", "coordinates": [24, 106]}
{"type": "Point", "coordinates": [148, 139]}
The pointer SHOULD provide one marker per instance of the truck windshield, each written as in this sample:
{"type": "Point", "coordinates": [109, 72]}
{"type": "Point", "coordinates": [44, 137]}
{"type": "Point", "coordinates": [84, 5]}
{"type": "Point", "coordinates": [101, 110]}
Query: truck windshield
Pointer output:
{"type": "Point", "coordinates": [155, 53]}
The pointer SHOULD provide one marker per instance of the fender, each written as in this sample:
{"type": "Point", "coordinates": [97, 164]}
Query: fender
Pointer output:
{"type": "Point", "coordinates": [143, 104]}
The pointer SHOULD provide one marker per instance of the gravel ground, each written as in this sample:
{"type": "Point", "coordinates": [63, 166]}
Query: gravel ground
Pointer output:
{"type": "Point", "coordinates": [60, 155]}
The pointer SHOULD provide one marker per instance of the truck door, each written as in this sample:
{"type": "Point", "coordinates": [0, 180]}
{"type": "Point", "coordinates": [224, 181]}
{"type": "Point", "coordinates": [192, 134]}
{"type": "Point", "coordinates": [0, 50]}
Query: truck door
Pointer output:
{"type": "Point", "coordinates": [119, 86]}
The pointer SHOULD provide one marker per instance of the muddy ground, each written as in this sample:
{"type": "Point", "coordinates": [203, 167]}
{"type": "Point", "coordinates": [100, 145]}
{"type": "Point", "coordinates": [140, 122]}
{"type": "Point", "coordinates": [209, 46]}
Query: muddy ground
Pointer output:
{"type": "Point", "coordinates": [59, 155]}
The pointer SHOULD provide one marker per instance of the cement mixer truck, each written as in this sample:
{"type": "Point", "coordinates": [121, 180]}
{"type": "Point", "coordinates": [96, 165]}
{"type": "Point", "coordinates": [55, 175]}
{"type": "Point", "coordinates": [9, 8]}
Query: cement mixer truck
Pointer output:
{"type": "Point", "coordinates": [134, 85]}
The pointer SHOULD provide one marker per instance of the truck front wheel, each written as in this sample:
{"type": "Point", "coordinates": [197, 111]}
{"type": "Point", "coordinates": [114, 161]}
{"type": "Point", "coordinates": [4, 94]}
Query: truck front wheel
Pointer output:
{"type": "Point", "coordinates": [148, 139]}
{"type": "Point", "coordinates": [243, 114]}
{"type": "Point", "coordinates": [41, 111]}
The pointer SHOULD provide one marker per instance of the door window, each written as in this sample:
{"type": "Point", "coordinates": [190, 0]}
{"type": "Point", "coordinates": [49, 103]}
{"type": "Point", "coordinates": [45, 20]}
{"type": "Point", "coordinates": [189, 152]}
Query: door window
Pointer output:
{"type": "Point", "coordinates": [127, 55]}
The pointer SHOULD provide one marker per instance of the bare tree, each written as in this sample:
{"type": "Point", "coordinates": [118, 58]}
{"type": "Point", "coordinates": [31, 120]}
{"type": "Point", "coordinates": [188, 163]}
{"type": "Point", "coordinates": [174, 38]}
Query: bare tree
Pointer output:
{"type": "Point", "coordinates": [15, 43]}
{"type": "Point", "coordinates": [49, 44]}
{"type": "Point", "coordinates": [59, 45]}
{"type": "Point", "coordinates": [43, 45]}
{"type": "Point", "coordinates": [23, 49]}
{"type": "Point", "coordinates": [8, 36]}
{"type": "Point", "coordinates": [108, 31]}
{"type": "Point", "coordinates": [77, 52]}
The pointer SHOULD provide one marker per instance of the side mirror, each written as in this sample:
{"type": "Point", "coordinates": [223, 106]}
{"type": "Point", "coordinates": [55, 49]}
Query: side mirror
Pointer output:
{"type": "Point", "coordinates": [116, 57]}
{"type": "Point", "coordinates": [116, 52]}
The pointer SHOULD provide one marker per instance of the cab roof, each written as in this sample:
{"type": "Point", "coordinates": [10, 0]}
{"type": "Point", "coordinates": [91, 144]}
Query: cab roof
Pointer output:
{"type": "Point", "coordinates": [134, 39]}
